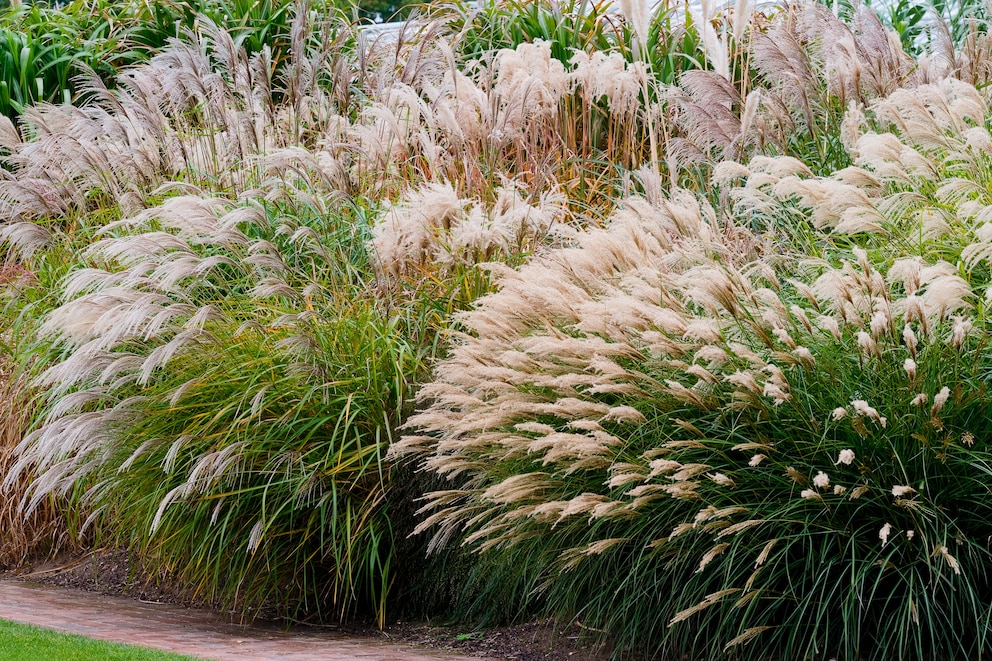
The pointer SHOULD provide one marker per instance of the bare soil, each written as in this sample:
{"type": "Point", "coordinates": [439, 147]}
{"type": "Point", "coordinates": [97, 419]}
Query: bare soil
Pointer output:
{"type": "Point", "coordinates": [111, 573]}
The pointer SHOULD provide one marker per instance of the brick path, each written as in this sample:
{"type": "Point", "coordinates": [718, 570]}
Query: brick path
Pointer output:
{"type": "Point", "coordinates": [193, 632]}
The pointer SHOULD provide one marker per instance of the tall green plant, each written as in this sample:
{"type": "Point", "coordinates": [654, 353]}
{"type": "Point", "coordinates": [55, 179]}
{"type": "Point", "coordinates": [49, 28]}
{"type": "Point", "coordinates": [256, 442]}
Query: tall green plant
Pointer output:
{"type": "Point", "coordinates": [44, 48]}
{"type": "Point", "coordinates": [238, 448]}
{"type": "Point", "coordinates": [49, 530]}
{"type": "Point", "coordinates": [235, 443]}
{"type": "Point", "coordinates": [705, 445]}
{"type": "Point", "coordinates": [575, 26]}
{"type": "Point", "coordinates": [33, 67]}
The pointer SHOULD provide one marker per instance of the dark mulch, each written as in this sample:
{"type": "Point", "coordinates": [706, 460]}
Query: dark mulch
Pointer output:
{"type": "Point", "coordinates": [105, 572]}
{"type": "Point", "coordinates": [536, 641]}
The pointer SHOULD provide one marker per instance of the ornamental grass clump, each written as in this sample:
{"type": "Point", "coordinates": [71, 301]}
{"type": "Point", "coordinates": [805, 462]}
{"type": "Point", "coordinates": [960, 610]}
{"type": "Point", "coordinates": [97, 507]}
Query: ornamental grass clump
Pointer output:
{"type": "Point", "coordinates": [795, 74]}
{"type": "Point", "coordinates": [758, 434]}
{"type": "Point", "coordinates": [223, 394]}
{"type": "Point", "coordinates": [517, 115]}
{"type": "Point", "coordinates": [46, 530]}
{"type": "Point", "coordinates": [215, 374]}
{"type": "Point", "coordinates": [227, 309]}
{"type": "Point", "coordinates": [433, 229]}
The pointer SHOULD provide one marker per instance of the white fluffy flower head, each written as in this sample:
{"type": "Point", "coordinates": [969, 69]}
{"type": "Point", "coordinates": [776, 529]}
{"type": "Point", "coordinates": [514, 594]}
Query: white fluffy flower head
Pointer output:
{"type": "Point", "coordinates": [883, 534]}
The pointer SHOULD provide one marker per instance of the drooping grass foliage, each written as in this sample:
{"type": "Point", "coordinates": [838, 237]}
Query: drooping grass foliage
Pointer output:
{"type": "Point", "coordinates": [230, 426]}
{"type": "Point", "coordinates": [48, 529]}
{"type": "Point", "coordinates": [222, 339]}
{"type": "Point", "coordinates": [220, 380]}
{"type": "Point", "coordinates": [728, 398]}
{"type": "Point", "coordinates": [709, 442]}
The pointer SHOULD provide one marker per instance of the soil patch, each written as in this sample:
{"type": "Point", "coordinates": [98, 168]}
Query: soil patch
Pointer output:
{"type": "Point", "coordinates": [535, 641]}
{"type": "Point", "coordinates": [105, 572]}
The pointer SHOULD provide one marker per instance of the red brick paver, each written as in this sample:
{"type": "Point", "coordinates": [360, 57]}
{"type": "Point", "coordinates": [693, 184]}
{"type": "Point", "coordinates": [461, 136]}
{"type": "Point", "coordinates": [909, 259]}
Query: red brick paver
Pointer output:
{"type": "Point", "coordinates": [188, 631]}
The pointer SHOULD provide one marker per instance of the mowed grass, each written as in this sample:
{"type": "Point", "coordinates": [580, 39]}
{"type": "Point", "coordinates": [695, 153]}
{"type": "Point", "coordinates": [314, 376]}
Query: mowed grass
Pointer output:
{"type": "Point", "coordinates": [21, 642]}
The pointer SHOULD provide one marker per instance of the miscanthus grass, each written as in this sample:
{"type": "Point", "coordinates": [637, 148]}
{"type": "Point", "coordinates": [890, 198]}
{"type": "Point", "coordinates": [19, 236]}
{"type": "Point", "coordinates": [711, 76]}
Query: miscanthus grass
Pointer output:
{"type": "Point", "coordinates": [713, 447]}
{"type": "Point", "coordinates": [225, 403]}
{"type": "Point", "coordinates": [214, 376]}
{"type": "Point", "coordinates": [795, 74]}
{"type": "Point", "coordinates": [47, 530]}
{"type": "Point", "coordinates": [750, 413]}
{"type": "Point", "coordinates": [221, 333]}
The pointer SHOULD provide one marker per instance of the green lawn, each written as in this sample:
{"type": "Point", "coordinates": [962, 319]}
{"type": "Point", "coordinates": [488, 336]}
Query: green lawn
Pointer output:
{"type": "Point", "coordinates": [20, 642]}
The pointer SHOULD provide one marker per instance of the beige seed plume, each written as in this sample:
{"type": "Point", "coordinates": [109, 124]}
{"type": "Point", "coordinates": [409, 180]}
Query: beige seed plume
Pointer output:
{"type": "Point", "coordinates": [746, 636]}
{"type": "Point", "coordinates": [845, 457]}
{"type": "Point", "coordinates": [707, 601]}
